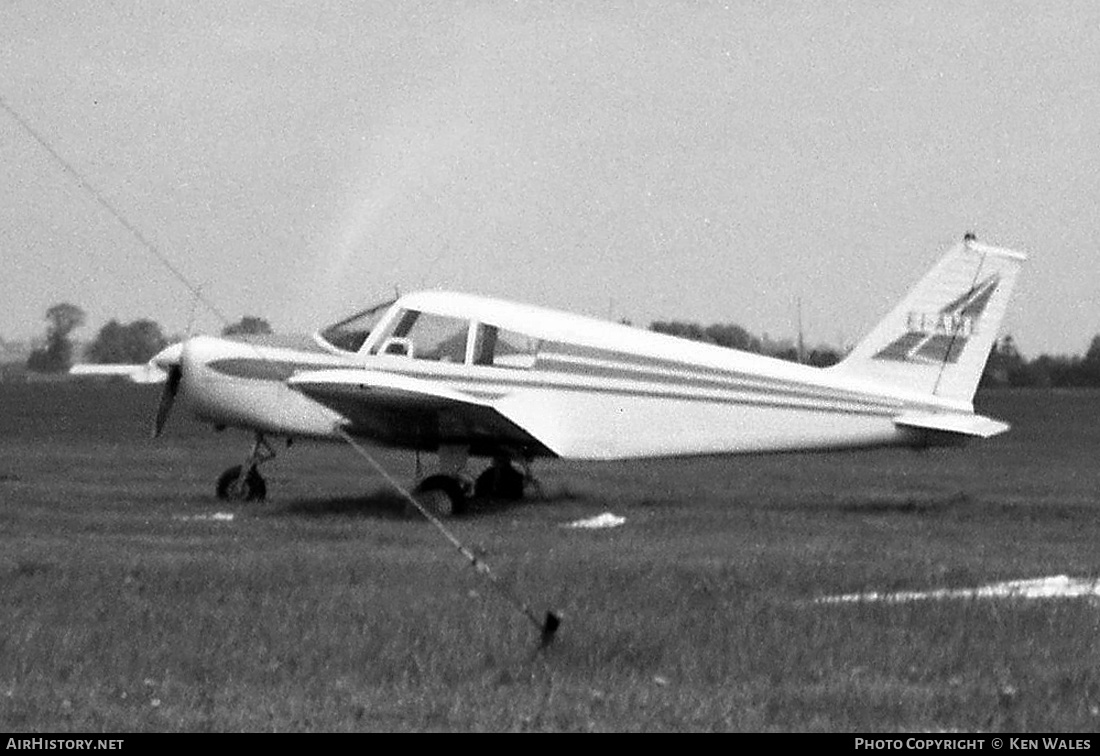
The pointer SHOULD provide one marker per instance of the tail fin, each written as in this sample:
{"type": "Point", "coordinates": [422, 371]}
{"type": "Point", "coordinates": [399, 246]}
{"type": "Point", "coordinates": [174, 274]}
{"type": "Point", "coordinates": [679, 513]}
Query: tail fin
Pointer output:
{"type": "Point", "coordinates": [938, 339]}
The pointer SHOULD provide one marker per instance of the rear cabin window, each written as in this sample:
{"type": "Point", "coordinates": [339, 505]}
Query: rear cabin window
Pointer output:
{"type": "Point", "coordinates": [506, 349]}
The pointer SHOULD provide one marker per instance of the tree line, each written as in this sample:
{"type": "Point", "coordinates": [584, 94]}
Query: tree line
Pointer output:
{"type": "Point", "coordinates": [1008, 368]}
{"type": "Point", "coordinates": [139, 340]}
{"type": "Point", "coordinates": [116, 342]}
{"type": "Point", "coordinates": [734, 336]}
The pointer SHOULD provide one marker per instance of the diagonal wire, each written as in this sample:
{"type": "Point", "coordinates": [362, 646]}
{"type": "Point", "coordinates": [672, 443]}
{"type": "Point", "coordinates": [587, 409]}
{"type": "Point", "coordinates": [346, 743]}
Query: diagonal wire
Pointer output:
{"type": "Point", "coordinates": [546, 626]}
{"type": "Point", "coordinates": [957, 326]}
{"type": "Point", "coordinates": [106, 205]}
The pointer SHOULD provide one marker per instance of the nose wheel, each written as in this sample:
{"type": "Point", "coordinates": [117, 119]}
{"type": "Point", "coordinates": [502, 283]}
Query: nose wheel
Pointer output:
{"type": "Point", "coordinates": [237, 484]}
{"type": "Point", "coordinates": [244, 482]}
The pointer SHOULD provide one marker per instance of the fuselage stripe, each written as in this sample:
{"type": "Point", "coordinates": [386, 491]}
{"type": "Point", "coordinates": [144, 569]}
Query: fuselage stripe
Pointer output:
{"type": "Point", "coordinates": [585, 374]}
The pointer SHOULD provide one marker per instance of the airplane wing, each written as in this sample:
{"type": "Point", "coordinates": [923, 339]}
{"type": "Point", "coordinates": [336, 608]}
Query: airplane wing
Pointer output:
{"type": "Point", "coordinates": [144, 372]}
{"type": "Point", "coordinates": [415, 413]}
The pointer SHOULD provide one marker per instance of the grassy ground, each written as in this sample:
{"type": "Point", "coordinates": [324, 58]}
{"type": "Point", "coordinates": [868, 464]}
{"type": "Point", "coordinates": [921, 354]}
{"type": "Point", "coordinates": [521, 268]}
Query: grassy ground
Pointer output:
{"type": "Point", "coordinates": [326, 609]}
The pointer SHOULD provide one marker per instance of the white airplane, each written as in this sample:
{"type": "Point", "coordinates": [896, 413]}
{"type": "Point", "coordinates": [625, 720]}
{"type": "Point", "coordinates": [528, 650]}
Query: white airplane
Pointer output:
{"type": "Point", "coordinates": [469, 376]}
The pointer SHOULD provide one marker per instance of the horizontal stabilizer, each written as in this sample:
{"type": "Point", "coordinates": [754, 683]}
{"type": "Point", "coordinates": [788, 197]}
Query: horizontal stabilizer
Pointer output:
{"type": "Point", "coordinates": [965, 425]}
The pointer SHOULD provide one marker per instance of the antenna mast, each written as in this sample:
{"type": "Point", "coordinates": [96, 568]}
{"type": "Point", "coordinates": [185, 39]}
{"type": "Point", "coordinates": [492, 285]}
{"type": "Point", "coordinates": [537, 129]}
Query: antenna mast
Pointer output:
{"type": "Point", "coordinates": [801, 339]}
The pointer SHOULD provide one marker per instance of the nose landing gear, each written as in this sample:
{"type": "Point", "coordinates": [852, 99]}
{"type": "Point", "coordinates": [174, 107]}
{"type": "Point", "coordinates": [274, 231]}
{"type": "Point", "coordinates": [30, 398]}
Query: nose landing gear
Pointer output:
{"type": "Point", "coordinates": [239, 484]}
{"type": "Point", "coordinates": [244, 482]}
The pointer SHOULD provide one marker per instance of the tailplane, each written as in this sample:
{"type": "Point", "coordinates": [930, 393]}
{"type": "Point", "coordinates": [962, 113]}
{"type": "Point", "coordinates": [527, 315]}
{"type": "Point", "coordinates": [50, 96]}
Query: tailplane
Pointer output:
{"type": "Point", "coordinates": [938, 339]}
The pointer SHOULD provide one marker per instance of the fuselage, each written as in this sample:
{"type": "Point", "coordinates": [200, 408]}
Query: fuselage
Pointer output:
{"type": "Point", "coordinates": [591, 390]}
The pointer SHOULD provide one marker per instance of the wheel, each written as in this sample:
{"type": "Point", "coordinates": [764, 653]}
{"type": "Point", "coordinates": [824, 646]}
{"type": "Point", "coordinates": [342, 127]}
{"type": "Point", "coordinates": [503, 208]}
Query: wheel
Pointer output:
{"type": "Point", "coordinates": [441, 495]}
{"type": "Point", "coordinates": [437, 502]}
{"type": "Point", "coordinates": [232, 487]}
{"type": "Point", "coordinates": [500, 482]}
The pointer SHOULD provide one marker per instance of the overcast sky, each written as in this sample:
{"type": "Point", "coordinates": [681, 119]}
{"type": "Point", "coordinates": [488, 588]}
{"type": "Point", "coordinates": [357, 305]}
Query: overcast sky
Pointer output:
{"type": "Point", "coordinates": [703, 161]}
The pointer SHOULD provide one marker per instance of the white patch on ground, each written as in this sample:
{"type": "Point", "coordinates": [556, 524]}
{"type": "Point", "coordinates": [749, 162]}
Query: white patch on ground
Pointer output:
{"type": "Point", "coordinates": [216, 517]}
{"type": "Point", "coordinates": [1056, 587]}
{"type": "Point", "coordinates": [606, 520]}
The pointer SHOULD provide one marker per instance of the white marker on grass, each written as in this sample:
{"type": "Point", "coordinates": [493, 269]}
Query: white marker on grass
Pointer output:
{"type": "Point", "coordinates": [1055, 587]}
{"type": "Point", "coordinates": [605, 520]}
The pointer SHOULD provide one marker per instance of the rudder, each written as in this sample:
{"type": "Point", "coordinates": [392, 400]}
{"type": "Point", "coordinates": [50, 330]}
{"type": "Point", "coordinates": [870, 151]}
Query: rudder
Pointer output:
{"type": "Point", "coordinates": [937, 340]}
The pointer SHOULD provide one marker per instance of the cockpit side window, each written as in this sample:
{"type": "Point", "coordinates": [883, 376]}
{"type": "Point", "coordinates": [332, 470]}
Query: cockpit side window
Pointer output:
{"type": "Point", "coordinates": [426, 336]}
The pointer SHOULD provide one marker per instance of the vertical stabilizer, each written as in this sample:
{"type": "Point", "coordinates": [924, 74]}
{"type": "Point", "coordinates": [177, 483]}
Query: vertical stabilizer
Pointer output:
{"type": "Point", "coordinates": [938, 339]}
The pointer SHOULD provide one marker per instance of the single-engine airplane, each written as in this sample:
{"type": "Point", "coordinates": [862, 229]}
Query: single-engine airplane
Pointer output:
{"type": "Point", "coordinates": [468, 376]}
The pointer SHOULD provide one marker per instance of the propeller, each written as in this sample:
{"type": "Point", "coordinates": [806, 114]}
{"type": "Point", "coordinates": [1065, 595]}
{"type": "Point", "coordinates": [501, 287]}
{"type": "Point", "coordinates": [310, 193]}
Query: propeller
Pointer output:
{"type": "Point", "coordinates": [167, 398]}
{"type": "Point", "coordinates": [170, 360]}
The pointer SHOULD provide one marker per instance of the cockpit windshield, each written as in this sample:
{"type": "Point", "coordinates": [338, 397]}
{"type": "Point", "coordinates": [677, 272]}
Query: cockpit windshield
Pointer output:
{"type": "Point", "coordinates": [349, 334]}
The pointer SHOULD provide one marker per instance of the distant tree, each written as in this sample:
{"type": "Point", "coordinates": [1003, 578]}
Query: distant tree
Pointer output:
{"type": "Point", "coordinates": [731, 336]}
{"type": "Point", "coordinates": [1004, 364]}
{"type": "Point", "coordinates": [735, 337]}
{"type": "Point", "coordinates": [818, 356]}
{"type": "Point", "coordinates": [1042, 372]}
{"type": "Point", "coordinates": [1007, 367]}
{"type": "Point", "coordinates": [126, 344]}
{"type": "Point", "coordinates": [692, 331]}
{"type": "Point", "coordinates": [823, 357]}
{"type": "Point", "coordinates": [1093, 354]}
{"type": "Point", "coordinates": [722, 334]}
{"type": "Point", "coordinates": [249, 325]}
{"type": "Point", "coordinates": [1090, 366]}
{"type": "Point", "coordinates": [57, 355]}
{"type": "Point", "coordinates": [790, 354]}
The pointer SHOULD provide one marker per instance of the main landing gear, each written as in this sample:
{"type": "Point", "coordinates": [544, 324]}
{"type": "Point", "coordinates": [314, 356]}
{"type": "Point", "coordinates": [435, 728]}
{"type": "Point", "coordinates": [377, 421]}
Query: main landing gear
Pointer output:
{"type": "Point", "coordinates": [445, 493]}
{"type": "Point", "coordinates": [448, 492]}
{"type": "Point", "coordinates": [244, 482]}
{"type": "Point", "coordinates": [501, 481]}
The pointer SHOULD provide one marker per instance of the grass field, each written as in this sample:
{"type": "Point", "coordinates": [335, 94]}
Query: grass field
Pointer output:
{"type": "Point", "coordinates": [327, 609]}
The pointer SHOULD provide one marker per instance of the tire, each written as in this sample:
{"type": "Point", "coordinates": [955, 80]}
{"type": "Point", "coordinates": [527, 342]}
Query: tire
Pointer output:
{"type": "Point", "coordinates": [232, 488]}
{"type": "Point", "coordinates": [441, 495]}
{"type": "Point", "coordinates": [500, 482]}
{"type": "Point", "coordinates": [437, 502]}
